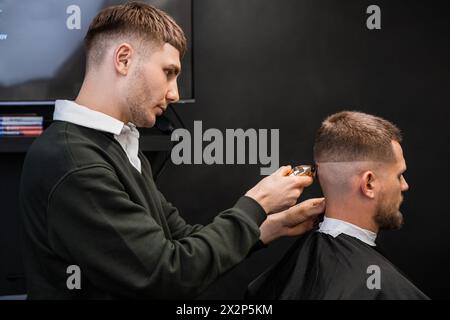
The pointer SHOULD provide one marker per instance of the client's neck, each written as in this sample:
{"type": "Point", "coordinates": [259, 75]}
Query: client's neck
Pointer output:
{"type": "Point", "coordinates": [351, 211]}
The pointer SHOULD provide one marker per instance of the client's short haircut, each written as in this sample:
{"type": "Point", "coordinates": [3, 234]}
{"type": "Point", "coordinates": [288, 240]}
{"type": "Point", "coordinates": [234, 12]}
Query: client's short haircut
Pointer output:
{"type": "Point", "coordinates": [355, 136]}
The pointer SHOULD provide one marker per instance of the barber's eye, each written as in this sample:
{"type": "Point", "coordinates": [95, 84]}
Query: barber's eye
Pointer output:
{"type": "Point", "coordinates": [169, 72]}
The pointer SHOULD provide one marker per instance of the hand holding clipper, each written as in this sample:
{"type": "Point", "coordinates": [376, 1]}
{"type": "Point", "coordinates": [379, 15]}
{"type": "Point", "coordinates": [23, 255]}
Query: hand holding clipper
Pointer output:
{"type": "Point", "coordinates": [281, 189]}
{"type": "Point", "coordinates": [303, 170]}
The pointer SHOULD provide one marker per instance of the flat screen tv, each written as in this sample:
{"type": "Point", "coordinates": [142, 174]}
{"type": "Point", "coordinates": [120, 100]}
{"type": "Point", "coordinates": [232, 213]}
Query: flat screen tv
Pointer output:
{"type": "Point", "coordinates": [42, 53]}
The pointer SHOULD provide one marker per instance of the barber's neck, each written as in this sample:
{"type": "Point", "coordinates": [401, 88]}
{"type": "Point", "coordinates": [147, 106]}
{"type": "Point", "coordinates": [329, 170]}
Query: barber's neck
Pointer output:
{"type": "Point", "coordinates": [100, 96]}
{"type": "Point", "coordinates": [354, 211]}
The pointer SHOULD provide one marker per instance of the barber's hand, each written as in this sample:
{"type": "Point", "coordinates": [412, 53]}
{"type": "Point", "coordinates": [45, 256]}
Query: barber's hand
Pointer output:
{"type": "Point", "coordinates": [279, 191]}
{"type": "Point", "coordinates": [293, 221]}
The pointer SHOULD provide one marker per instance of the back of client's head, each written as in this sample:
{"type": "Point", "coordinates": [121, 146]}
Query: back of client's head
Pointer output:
{"type": "Point", "coordinates": [357, 156]}
{"type": "Point", "coordinates": [355, 136]}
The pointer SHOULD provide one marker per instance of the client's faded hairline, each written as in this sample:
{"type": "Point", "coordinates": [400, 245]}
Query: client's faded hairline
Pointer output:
{"type": "Point", "coordinates": [351, 136]}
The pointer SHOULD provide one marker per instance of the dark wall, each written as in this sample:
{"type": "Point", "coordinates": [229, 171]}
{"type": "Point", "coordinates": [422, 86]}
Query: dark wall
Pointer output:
{"type": "Point", "coordinates": [288, 64]}
{"type": "Point", "coordinates": [11, 270]}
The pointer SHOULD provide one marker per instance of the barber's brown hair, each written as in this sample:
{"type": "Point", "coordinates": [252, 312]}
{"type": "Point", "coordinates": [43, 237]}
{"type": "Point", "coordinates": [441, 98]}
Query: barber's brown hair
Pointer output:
{"type": "Point", "coordinates": [133, 19]}
{"type": "Point", "coordinates": [355, 136]}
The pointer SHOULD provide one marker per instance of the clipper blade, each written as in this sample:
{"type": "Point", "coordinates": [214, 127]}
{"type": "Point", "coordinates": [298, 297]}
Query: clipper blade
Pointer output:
{"type": "Point", "coordinates": [304, 170]}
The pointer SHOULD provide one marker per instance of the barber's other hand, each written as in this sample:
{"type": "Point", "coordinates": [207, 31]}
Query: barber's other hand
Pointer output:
{"type": "Point", "coordinates": [279, 191]}
{"type": "Point", "coordinates": [293, 221]}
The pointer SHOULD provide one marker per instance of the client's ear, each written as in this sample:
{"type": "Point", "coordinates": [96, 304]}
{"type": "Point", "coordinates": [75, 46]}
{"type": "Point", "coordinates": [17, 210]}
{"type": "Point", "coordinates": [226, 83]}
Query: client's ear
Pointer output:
{"type": "Point", "coordinates": [367, 184]}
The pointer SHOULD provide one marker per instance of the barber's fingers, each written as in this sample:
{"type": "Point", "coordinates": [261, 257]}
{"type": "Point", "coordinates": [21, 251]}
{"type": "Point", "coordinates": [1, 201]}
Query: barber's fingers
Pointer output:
{"type": "Point", "coordinates": [300, 223]}
{"type": "Point", "coordinates": [283, 171]}
{"type": "Point", "coordinates": [301, 181]}
{"type": "Point", "coordinates": [311, 207]}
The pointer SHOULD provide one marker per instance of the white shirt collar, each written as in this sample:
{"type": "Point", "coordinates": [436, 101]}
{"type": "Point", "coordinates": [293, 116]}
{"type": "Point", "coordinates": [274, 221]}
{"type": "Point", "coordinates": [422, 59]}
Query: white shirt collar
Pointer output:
{"type": "Point", "coordinates": [335, 227]}
{"type": "Point", "coordinates": [126, 134]}
{"type": "Point", "coordinates": [72, 112]}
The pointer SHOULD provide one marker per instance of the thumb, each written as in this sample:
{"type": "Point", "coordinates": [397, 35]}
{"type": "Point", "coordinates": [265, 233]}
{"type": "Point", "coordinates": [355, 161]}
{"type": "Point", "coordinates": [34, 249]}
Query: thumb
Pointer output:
{"type": "Point", "coordinates": [283, 171]}
{"type": "Point", "coordinates": [302, 181]}
{"type": "Point", "coordinates": [302, 227]}
{"type": "Point", "coordinates": [306, 210]}
{"type": "Point", "coordinates": [311, 207]}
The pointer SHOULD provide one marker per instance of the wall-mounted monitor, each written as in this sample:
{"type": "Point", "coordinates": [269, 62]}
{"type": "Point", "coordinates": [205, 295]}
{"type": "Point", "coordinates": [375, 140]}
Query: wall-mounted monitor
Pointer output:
{"type": "Point", "coordinates": [42, 53]}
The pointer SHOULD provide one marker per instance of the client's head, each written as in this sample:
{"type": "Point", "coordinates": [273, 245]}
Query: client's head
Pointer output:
{"type": "Point", "coordinates": [360, 167]}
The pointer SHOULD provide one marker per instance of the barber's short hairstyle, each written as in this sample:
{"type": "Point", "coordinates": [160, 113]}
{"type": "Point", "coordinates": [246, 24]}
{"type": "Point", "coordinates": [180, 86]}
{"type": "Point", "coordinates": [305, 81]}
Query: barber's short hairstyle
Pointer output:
{"type": "Point", "coordinates": [355, 136]}
{"type": "Point", "coordinates": [131, 21]}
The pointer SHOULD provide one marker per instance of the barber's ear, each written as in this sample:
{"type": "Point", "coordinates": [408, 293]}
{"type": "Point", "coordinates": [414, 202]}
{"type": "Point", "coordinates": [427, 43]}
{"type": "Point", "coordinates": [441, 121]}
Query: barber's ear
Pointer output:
{"type": "Point", "coordinates": [367, 184]}
{"type": "Point", "coordinates": [122, 58]}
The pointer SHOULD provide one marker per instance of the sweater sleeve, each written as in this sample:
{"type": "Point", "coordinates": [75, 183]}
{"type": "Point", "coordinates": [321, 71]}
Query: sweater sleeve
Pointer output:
{"type": "Point", "coordinates": [177, 225]}
{"type": "Point", "coordinates": [180, 229]}
{"type": "Point", "coordinates": [121, 248]}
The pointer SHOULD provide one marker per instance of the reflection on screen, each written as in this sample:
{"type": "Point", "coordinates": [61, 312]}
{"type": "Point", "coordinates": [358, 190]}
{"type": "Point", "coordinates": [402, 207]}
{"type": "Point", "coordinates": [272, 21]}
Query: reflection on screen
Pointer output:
{"type": "Point", "coordinates": [41, 46]}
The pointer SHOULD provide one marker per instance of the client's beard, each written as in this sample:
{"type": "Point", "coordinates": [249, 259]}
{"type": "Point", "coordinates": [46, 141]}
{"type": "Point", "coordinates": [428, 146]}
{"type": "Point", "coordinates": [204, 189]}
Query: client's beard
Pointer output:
{"type": "Point", "coordinates": [388, 216]}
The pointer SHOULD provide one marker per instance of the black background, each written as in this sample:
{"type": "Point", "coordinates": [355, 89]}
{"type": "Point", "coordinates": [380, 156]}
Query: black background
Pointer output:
{"type": "Point", "coordinates": [288, 64]}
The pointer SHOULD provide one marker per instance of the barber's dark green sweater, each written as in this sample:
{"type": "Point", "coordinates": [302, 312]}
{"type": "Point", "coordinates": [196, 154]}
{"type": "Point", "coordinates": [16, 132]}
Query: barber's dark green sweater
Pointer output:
{"type": "Point", "coordinates": [84, 204]}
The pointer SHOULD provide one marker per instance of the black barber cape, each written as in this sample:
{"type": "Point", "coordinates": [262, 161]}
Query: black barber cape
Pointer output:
{"type": "Point", "coordinates": [319, 266]}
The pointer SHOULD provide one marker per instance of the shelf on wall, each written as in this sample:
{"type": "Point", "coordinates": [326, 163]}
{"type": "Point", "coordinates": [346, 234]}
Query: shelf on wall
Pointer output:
{"type": "Point", "coordinates": [15, 144]}
{"type": "Point", "coordinates": [147, 143]}
{"type": "Point", "coordinates": [151, 139]}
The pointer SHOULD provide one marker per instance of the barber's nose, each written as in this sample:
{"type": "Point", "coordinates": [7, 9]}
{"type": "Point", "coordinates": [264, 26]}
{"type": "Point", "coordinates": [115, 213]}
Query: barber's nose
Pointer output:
{"type": "Point", "coordinates": [172, 95]}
